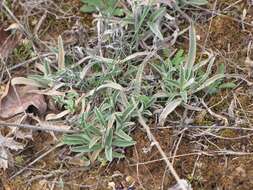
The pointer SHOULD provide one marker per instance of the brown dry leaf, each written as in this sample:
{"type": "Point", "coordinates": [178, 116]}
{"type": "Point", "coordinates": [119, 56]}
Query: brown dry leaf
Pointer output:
{"type": "Point", "coordinates": [5, 144]}
{"type": "Point", "coordinates": [23, 134]}
{"type": "Point", "coordinates": [8, 42]}
{"type": "Point", "coordinates": [18, 100]}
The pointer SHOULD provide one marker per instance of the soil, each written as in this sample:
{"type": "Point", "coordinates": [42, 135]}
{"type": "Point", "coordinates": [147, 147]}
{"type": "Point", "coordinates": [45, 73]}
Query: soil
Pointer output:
{"type": "Point", "coordinates": [207, 162]}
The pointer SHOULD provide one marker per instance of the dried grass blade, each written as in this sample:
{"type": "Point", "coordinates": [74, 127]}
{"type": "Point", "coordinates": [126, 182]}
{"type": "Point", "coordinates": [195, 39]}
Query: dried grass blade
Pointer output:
{"type": "Point", "coordinates": [61, 54]}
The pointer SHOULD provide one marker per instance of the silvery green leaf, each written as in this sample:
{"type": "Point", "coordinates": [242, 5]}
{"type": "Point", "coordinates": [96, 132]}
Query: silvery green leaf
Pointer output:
{"type": "Point", "coordinates": [108, 137]}
{"type": "Point", "coordinates": [117, 155]}
{"type": "Point", "coordinates": [159, 69]}
{"type": "Point", "coordinates": [182, 77]}
{"type": "Point", "coordinates": [112, 119]}
{"type": "Point", "coordinates": [100, 117]}
{"type": "Point", "coordinates": [209, 82]}
{"type": "Point", "coordinates": [160, 95]}
{"type": "Point", "coordinates": [112, 85]}
{"type": "Point", "coordinates": [170, 107]}
{"type": "Point", "coordinates": [94, 141]}
{"type": "Point", "coordinates": [127, 112]}
{"type": "Point", "coordinates": [123, 135]}
{"type": "Point", "coordinates": [108, 153]}
{"type": "Point", "coordinates": [208, 70]}
{"type": "Point", "coordinates": [139, 77]}
{"type": "Point", "coordinates": [85, 137]}
{"type": "Point", "coordinates": [122, 143]}
{"type": "Point", "coordinates": [184, 96]}
{"type": "Point", "coordinates": [189, 83]}
{"type": "Point", "coordinates": [86, 69]}
{"type": "Point", "coordinates": [74, 140]}
{"type": "Point", "coordinates": [192, 50]}
{"type": "Point", "coordinates": [147, 113]}
{"type": "Point", "coordinates": [126, 125]}
{"type": "Point", "coordinates": [204, 62]}
{"type": "Point", "coordinates": [92, 129]}
{"type": "Point", "coordinates": [172, 83]}
{"type": "Point", "coordinates": [154, 27]}
{"type": "Point", "coordinates": [157, 14]}
{"type": "Point", "coordinates": [47, 69]}
{"type": "Point", "coordinates": [86, 149]}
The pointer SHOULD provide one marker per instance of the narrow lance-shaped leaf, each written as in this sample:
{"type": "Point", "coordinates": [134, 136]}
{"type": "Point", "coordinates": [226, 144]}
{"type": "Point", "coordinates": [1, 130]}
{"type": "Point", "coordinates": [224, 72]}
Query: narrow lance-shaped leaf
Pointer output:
{"type": "Point", "coordinates": [154, 27]}
{"type": "Point", "coordinates": [100, 117]}
{"type": "Point", "coordinates": [157, 14]}
{"type": "Point", "coordinates": [108, 153]}
{"type": "Point", "coordinates": [204, 62]}
{"type": "Point", "coordinates": [122, 143]}
{"type": "Point", "coordinates": [209, 70]}
{"type": "Point", "coordinates": [85, 148]}
{"type": "Point", "coordinates": [47, 70]}
{"type": "Point", "coordinates": [182, 77]}
{"type": "Point", "coordinates": [123, 135]}
{"type": "Point", "coordinates": [168, 109]}
{"type": "Point", "coordinates": [86, 69]}
{"type": "Point", "coordinates": [192, 51]}
{"type": "Point", "coordinates": [127, 112]}
{"type": "Point", "coordinates": [74, 139]}
{"type": "Point", "coordinates": [209, 82]}
{"type": "Point", "coordinates": [94, 141]}
{"type": "Point", "coordinates": [112, 85]}
{"type": "Point", "coordinates": [139, 77]}
{"type": "Point", "coordinates": [117, 155]}
{"type": "Point", "coordinates": [109, 132]}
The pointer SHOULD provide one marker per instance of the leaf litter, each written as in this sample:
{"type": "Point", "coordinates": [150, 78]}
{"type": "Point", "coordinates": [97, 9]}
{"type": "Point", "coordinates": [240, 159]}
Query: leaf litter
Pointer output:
{"type": "Point", "coordinates": [5, 144]}
{"type": "Point", "coordinates": [8, 41]}
{"type": "Point", "coordinates": [17, 99]}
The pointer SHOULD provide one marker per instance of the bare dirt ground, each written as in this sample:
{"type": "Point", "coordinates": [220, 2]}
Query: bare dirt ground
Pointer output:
{"type": "Point", "coordinates": [210, 161]}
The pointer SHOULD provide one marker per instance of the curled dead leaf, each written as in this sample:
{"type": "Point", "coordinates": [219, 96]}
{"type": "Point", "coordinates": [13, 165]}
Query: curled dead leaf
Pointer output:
{"type": "Point", "coordinates": [17, 99]}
